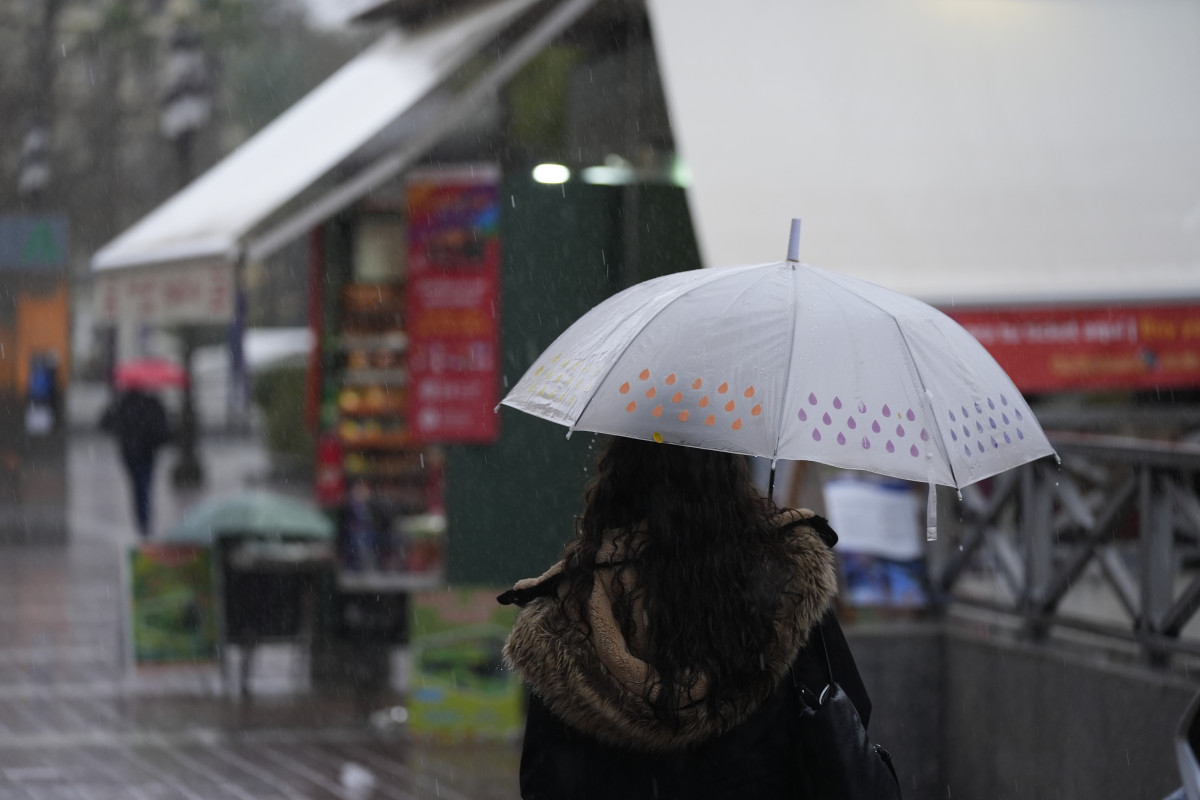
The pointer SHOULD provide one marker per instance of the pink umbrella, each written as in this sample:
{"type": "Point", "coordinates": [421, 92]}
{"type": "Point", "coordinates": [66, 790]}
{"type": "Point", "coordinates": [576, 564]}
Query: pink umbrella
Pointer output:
{"type": "Point", "coordinates": [149, 373]}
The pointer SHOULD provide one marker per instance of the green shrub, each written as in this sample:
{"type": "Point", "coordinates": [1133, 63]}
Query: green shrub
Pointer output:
{"type": "Point", "coordinates": [279, 391]}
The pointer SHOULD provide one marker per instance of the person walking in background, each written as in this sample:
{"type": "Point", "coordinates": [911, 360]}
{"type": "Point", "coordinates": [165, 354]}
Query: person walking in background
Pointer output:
{"type": "Point", "coordinates": [138, 420]}
{"type": "Point", "coordinates": [665, 652]}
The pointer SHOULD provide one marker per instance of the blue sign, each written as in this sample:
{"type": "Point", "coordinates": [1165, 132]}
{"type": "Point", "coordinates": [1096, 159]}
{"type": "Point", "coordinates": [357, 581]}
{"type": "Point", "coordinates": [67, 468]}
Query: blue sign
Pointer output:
{"type": "Point", "coordinates": [33, 243]}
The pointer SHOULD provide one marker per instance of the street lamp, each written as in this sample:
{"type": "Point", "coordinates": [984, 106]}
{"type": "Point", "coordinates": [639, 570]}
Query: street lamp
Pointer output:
{"type": "Point", "coordinates": [34, 175]}
{"type": "Point", "coordinates": [186, 108]}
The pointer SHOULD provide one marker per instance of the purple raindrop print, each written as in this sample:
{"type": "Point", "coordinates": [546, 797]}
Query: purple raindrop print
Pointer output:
{"type": "Point", "coordinates": [952, 417]}
{"type": "Point", "coordinates": [978, 426]}
{"type": "Point", "coordinates": [1020, 435]}
{"type": "Point", "coordinates": [913, 451]}
{"type": "Point", "coordinates": [995, 444]}
{"type": "Point", "coordinates": [991, 405]}
{"type": "Point", "coordinates": [841, 438]}
{"type": "Point", "coordinates": [1003, 400]}
{"type": "Point", "coordinates": [1005, 418]}
{"type": "Point", "coordinates": [966, 432]}
{"type": "Point", "coordinates": [875, 426]}
{"type": "Point", "coordinates": [887, 412]}
{"type": "Point", "coordinates": [866, 443]}
{"type": "Point", "coordinates": [862, 407]}
{"type": "Point", "coordinates": [816, 435]}
{"type": "Point", "coordinates": [812, 399]}
{"type": "Point", "coordinates": [910, 415]}
{"type": "Point", "coordinates": [967, 450]}
{"type": "Point", "coordinates": [979, 446]}
{"type": "Point", "coordinates": [837, 402]}
{"type": "Point", "coordinates": [900, 431]}
{"type": "Point", "coordinates": [963, 409]}
{"type": "Point", "coordinates": [891, 448]}
{"type": "Point", "coordinates": [978, 408]}
{"type": "Point", "coordinates": [992, 422]}
{"type": "Point", "coordinates": [924, 435]}
{"type": "Point", "coordinates": [1007, 439]}
{"type": "Point", "coordinates": [802, 415]}
{"type": "Point", "coordinates": [828, 420]}
{"type": "Point", "coordinates": [1018, 414]}
{"type": "Point", "coordinates": [953, 435]}
{"type": "Point", "coordinates": [851, 423]}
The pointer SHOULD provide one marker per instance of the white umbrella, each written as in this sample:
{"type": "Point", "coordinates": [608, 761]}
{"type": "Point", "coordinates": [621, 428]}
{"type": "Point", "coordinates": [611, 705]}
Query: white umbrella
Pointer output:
{"type": "Point", "coordinates": [787, 361]}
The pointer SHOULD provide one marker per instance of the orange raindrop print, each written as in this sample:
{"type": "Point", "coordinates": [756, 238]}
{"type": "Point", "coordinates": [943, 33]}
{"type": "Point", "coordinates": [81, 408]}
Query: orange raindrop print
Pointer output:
{"type": "Point", "coordinates": [711, 419]}
{"type": "Point", "coordinates": [645, 374]}
{"type": "Point", "coordinates": [657, 412]}
{"type": "Point", "coordinates": [704, 401]}
{"type": "Point", "coordinates": [696, 384]}
{"type": "Point", "coordinates": [632, 407]}
{"type": "Point", "coordinates": [651, 392]}
{"type": "Point", "coordinates": [723, 388]}
{"type": "Point", "coordinates": [678, 396]}
{"type": "Point", "coordinates": [756, 410]}
{"type": "Point", "coordinates": [750, 392]}
{"type": "Point", "coordinates": [737, 424]}
{"type": "Point", "coordinates": [671, 379]}
{"type": "Point", "coordinates": [729, 406]}
{"type": "Point", "coordinates": [625, 387]}
{"type": "Point", "coordinates": [683, 415]}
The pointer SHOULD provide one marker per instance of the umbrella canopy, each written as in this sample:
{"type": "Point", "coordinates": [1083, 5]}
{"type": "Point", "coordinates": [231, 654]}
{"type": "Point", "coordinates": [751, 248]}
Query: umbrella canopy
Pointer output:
{"type": "Point", "coordinates": [784, 360]}
{"type": "Point", "coordinates": [149, 373]}
{"type": "Point", "coordinates": [261, 514]}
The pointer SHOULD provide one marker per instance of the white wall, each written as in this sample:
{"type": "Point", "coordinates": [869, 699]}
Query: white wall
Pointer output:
{"type": "Point", "coordinates": [958, 150]}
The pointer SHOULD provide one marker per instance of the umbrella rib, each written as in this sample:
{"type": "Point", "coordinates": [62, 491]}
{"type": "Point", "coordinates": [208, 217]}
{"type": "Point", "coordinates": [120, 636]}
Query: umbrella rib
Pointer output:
{"type": "Point", "coordinates": [925, 391]}
{"type": "Point", "coordinates": [913, 361]}
{"type": "Point", "coordinates": [702, 281]}
{"type": "Point", "coordinates": [787, 376]}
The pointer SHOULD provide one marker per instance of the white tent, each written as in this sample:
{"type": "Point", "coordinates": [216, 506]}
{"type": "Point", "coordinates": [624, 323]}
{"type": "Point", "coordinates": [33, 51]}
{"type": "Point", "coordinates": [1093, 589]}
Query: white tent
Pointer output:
{"type": "Point", "coordinates": [176, 264]}
{"type": "Point", "coordinates": [971, 151]}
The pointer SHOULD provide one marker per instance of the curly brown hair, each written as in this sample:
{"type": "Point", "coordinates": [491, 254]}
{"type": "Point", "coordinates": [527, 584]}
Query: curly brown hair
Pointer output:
{"type": "Point", "coordinates": [709, 567]}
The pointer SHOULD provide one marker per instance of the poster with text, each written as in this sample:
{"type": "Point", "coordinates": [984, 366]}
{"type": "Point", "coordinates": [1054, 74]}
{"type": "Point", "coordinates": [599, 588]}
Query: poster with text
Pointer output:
{"type": "Point", "coordinates": [460, 686]}
{"type": "Point", "coordinates": [173, 609]}
{"type": "Point", "coordinates": [453, 305]}
{"type": "Point", "coordinates": [1072, 348]}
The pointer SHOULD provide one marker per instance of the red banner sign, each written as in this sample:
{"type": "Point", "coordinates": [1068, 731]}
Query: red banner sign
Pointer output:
{"type": "Point", "coordinates": [453, 316]}
{"type": "Point", "coordinates": [1059, 348]}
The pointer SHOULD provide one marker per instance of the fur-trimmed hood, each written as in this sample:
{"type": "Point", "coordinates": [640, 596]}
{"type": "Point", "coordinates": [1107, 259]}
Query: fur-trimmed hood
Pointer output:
{"type": "Point", "coordinates": [595, 682]}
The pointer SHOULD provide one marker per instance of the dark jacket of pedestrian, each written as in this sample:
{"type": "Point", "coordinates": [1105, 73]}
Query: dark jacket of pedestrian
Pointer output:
{"type": "Point", "coordinates": [664, 652]}
{"type": "Point", "coordinates": [138, 420]}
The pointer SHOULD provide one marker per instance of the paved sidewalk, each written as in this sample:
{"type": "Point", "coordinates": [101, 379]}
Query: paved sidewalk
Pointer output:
{"type": "Point", "coordinates": [72, 726]}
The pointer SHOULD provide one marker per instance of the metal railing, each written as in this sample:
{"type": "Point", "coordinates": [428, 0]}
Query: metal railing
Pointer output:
{"type": "Point", "coordinates": [1119, 517]}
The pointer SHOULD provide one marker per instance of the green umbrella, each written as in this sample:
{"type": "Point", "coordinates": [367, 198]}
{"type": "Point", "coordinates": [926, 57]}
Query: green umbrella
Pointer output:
{"type": "Point", "coordinates": [256, 514]}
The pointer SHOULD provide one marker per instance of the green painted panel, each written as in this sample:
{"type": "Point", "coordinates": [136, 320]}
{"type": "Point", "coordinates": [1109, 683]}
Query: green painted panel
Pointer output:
{"type": "Point", "coordinates": [511, 505]}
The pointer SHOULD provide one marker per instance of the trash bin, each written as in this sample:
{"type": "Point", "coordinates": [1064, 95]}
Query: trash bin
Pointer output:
{"type": "Point", "coordinates": [268, 588]}
{"type": "Point", "coordinates": [272, 555]}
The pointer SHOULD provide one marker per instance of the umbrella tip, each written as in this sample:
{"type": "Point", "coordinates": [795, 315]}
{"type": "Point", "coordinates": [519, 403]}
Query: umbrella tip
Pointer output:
{"type": "Point", "coordinates": [794, 241]}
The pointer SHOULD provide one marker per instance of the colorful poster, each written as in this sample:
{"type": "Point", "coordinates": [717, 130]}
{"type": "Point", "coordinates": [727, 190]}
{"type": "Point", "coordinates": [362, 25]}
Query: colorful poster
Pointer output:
{"type": "Point", "coordinates": [460, 686]}
{"type": "Point", "coordinates": [172, 602]}
{"type": "Point", "coordinates": [880, 547]}
{"type": "Point", "coordinates": [453, 319]}
{"type": "Point", "coordinates": [1062, 348]}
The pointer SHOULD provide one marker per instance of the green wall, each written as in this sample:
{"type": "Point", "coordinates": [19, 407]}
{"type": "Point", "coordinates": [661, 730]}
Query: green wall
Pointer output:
{"type": "Point", "coordinates": [511, 505]}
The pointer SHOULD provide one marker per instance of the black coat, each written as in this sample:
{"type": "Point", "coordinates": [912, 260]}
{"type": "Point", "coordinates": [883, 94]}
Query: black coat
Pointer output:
{"type": "Point", "coordinates": [139, 421]}
{"type": "Point", "coordinates": [758, 759]}
{"type": "Point", "coordinates": [590, 732]}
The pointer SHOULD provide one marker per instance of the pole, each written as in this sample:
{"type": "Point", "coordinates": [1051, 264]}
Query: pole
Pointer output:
{"type": "Point", "coordinates": [188, 472]}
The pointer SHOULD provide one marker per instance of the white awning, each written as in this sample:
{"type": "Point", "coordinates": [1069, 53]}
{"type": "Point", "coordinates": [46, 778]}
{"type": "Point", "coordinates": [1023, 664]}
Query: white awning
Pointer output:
{"type": "Point", "coordinates": [214, 216]}
{"type": "Point", "coordinates": [969, 152]}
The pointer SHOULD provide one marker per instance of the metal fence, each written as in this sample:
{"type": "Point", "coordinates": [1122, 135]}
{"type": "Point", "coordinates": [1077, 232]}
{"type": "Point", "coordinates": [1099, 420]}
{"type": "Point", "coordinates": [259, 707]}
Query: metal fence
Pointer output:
{"type": "Point", "coordinates": [1106, 542]}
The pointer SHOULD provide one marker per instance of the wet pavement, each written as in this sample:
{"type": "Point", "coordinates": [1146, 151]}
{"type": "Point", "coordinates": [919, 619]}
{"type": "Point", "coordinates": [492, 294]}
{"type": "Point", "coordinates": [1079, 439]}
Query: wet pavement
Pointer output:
{"type": "Point", "coordinates": [74, 723]}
